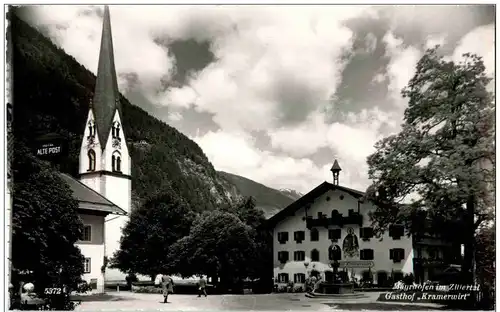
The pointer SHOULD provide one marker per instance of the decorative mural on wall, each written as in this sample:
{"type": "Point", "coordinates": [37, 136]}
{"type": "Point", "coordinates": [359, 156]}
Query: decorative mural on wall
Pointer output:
{"type": "Point", "coordinates": [350, 246]}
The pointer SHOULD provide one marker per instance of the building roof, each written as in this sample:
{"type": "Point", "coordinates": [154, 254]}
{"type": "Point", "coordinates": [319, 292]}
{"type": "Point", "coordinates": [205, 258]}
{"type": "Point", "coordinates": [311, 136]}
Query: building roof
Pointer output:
{"type": "Point", "coordinates": [106, 94]}
{"type": "Point", "coordinates": [90, 199]}
{"type": "Point", "coordinates": [309, 198]}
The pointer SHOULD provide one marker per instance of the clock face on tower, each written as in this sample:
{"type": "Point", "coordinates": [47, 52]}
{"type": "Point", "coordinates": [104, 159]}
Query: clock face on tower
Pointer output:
{"type": "Point", "coordinates": [90, 142]}
{"type": "Point", "coordinates": [116, 143]}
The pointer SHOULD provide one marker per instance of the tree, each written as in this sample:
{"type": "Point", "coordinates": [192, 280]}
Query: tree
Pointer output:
{"type": "Point", "coordinates": [219, 244]}
{"type": "Point", "coordinates": [46, 224]}
{"type": "Point", "coordinates": [261, 259]}
{"type": "Point", "coordinates": [151, 230]}
{"type": "Point", "coordinates": [444, 156]}
{"type": "Point", "coordinates": [485, 264]}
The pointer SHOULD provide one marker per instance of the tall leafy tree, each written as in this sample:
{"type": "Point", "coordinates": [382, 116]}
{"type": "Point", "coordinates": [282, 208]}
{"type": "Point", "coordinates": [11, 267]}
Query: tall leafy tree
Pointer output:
{"type": "Point", "coordinates": [444, 156]}
{"type": "Point", "coordinates": [45, 223]}
{"type": "Point", "coordinates": [261, 260]}
{"type": "Point", "coordinates": [150, 232]}
{"type": "Point", "coordinates": [485, 264]}
{"type": "Point", "coordinates": [219, 244]}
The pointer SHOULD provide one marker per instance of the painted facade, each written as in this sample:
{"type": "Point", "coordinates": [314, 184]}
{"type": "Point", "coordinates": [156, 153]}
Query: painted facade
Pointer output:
{"type": "Point", "coordinates": [332, 219]}
{"type": "Point", "coordinates": [358, 255]}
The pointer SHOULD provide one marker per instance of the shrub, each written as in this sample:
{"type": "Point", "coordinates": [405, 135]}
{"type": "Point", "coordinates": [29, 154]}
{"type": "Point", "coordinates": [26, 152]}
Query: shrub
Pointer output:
{"type": "Point", "coordinates": [408, 279]}
{"type": "Point", "coordinates": [146, 289]}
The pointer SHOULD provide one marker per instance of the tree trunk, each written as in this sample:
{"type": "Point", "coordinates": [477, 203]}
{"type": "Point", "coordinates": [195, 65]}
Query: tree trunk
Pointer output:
{"type": "Point", "coordinates": [469, 246]}
{"type": "Point", "coordinates": [469, 250]}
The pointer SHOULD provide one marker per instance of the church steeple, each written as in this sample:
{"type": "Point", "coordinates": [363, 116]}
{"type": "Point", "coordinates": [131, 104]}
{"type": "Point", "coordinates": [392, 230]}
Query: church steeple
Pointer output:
{"type": "Point", "coordinates": [106, 96]}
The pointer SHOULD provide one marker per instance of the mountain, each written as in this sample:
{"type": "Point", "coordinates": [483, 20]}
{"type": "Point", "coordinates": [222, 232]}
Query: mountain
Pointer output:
{"type": "Point", "coordinates": [51, 93]}
{"type": "Point", "coordinates": [293, 194]}
{"type": "Point", "coordinates": [267, 199]}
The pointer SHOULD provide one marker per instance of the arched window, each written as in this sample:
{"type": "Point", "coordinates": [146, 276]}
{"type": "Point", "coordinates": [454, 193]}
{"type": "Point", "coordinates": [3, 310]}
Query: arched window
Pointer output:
{"type": "Point", "coordinates": [116, 130]}
{"type": "Point", "coordinates": [314, 255]}
{"type": "Point", "coordinates": [91, 128]}
{"type": "Point", "coordinates": [116, 162]}
{"type": "Point", "coordinates": [335, 213]}
{"type": "Point", "coordinates": [91, 155]}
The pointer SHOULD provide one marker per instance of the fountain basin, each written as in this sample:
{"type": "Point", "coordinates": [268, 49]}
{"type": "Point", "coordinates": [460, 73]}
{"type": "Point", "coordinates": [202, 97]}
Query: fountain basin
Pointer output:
{"type": "Point", "coordinates": [335, 288]}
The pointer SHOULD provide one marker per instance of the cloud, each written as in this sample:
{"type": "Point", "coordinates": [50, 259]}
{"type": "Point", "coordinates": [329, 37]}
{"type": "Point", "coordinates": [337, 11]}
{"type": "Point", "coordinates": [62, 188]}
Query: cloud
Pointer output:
{"type": "Point", "coordinates": [401, 66]}
{"type": "Point", "coordinates": [480, 41]}
{"type": "Point", "coordinates": [274, 70]}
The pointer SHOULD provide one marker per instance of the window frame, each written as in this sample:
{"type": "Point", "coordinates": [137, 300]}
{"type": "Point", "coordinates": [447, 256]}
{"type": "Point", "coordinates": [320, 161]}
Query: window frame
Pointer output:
{"type": "Point", "coordinates": [281, 239]}
{"type": "Point", "coordinates": [315, 252]}
{"type": "Point", "coordinates": [91, 156]}
{"type": "Point", "coordinates": [316, 235]}
{"type": "Point", "coordinates": [82, 238]}
{"type": "Point", "coordinates": [87, 265]}
{"type": "Point", "coordinates": [300, 280]}
{"type": "Point", "coordinates": [284, 280]}
{"type": "Point", "coordinates": [301, 258]}
{"type": "Point", "coordinates": [299, 236]}
{"type": "Point", "coordinates": [362, 254]}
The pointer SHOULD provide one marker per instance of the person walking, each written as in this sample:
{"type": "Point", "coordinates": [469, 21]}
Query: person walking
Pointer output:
{"type": "Point", "coordinates": [167, 285]}
{"type": "Point", "coordinates": [202, 284]}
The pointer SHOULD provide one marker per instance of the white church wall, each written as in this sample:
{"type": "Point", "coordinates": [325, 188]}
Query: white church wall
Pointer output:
{"type": "Point", "coordinates": [381, 261]}
{"type": "Point", "coordinates": [122, 150]}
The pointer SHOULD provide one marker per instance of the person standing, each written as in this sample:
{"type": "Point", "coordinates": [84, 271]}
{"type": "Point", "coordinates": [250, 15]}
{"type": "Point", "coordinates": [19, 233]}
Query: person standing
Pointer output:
{"type": "Point", "coordinates": [202, 285]}
{"type": "Point", "coordinates": [167, 285]}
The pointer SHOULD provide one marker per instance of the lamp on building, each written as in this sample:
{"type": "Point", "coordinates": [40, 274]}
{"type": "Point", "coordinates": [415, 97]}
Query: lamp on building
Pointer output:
{"type": "Point", "coordinates": [306, 264]}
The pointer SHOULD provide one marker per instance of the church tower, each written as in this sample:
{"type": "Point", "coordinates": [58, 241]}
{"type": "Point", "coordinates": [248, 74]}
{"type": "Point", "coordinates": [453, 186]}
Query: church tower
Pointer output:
{"type": "Point", "coordinates": [105, 164]}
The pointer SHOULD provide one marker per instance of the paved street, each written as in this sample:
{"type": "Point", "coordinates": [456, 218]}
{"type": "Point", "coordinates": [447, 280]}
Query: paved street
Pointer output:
{"type": "Point", "coordinates": [276, 302]}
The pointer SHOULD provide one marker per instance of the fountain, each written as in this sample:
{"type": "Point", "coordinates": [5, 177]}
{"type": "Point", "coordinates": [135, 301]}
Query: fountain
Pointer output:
{"type": "Point", "coordinates": [334, 286]}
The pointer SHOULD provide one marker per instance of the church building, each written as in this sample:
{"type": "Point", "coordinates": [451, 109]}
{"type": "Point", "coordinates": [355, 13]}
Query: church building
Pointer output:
{"type": "Point", "coordinates": [331, 220]}
{"type": "Point", "coordinates": [105, 165]}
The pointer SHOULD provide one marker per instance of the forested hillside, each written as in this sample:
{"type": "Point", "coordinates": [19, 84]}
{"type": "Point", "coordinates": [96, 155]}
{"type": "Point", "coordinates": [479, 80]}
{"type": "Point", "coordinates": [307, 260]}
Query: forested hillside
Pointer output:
{"type": "Point", "coordinates": [51, 93]}
{"type": "Point", "coordinates": [267, 199]}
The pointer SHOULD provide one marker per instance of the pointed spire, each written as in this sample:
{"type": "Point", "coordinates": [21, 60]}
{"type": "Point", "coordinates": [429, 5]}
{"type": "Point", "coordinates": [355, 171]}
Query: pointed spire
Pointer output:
{"type": "Point", "coordinates": [336, 170]}
{"type": "Point", "coordinates": [106, 96]}
{"type": "Point", "coordinates": [336, 166]}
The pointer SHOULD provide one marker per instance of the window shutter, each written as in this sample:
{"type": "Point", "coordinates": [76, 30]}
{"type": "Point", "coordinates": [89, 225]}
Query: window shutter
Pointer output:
{"type": "Point", "coordinates": [362, 254]}
{"type": "Point", "coordinates": [369, 232]}
{"type": "Point", "coordinates": [391, 254]}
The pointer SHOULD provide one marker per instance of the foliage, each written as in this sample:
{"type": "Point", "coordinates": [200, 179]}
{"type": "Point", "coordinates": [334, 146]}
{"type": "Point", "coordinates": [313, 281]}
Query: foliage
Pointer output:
{"type": "Point", "coordinates": [52, 94]}
{"type": "Point", "coordinates": [152, 229]}
{"type": "Point", "coordinates": [45, 224]}
{"type": "Point", "coordinates": [444, 156]}
{"type": "Point", "coordinates": [485, 264]}
{"type": "Point", "coordinates": [219, 244]}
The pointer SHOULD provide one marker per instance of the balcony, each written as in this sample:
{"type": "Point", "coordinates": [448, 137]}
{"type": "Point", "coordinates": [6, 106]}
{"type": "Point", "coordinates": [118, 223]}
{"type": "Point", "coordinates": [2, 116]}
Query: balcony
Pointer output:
{"type": "Point", "coordinates": [338, 220]}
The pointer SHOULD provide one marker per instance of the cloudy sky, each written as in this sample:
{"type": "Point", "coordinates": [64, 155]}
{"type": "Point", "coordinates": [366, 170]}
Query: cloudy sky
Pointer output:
{"type": "Point", "coordinates": [274, 93]}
